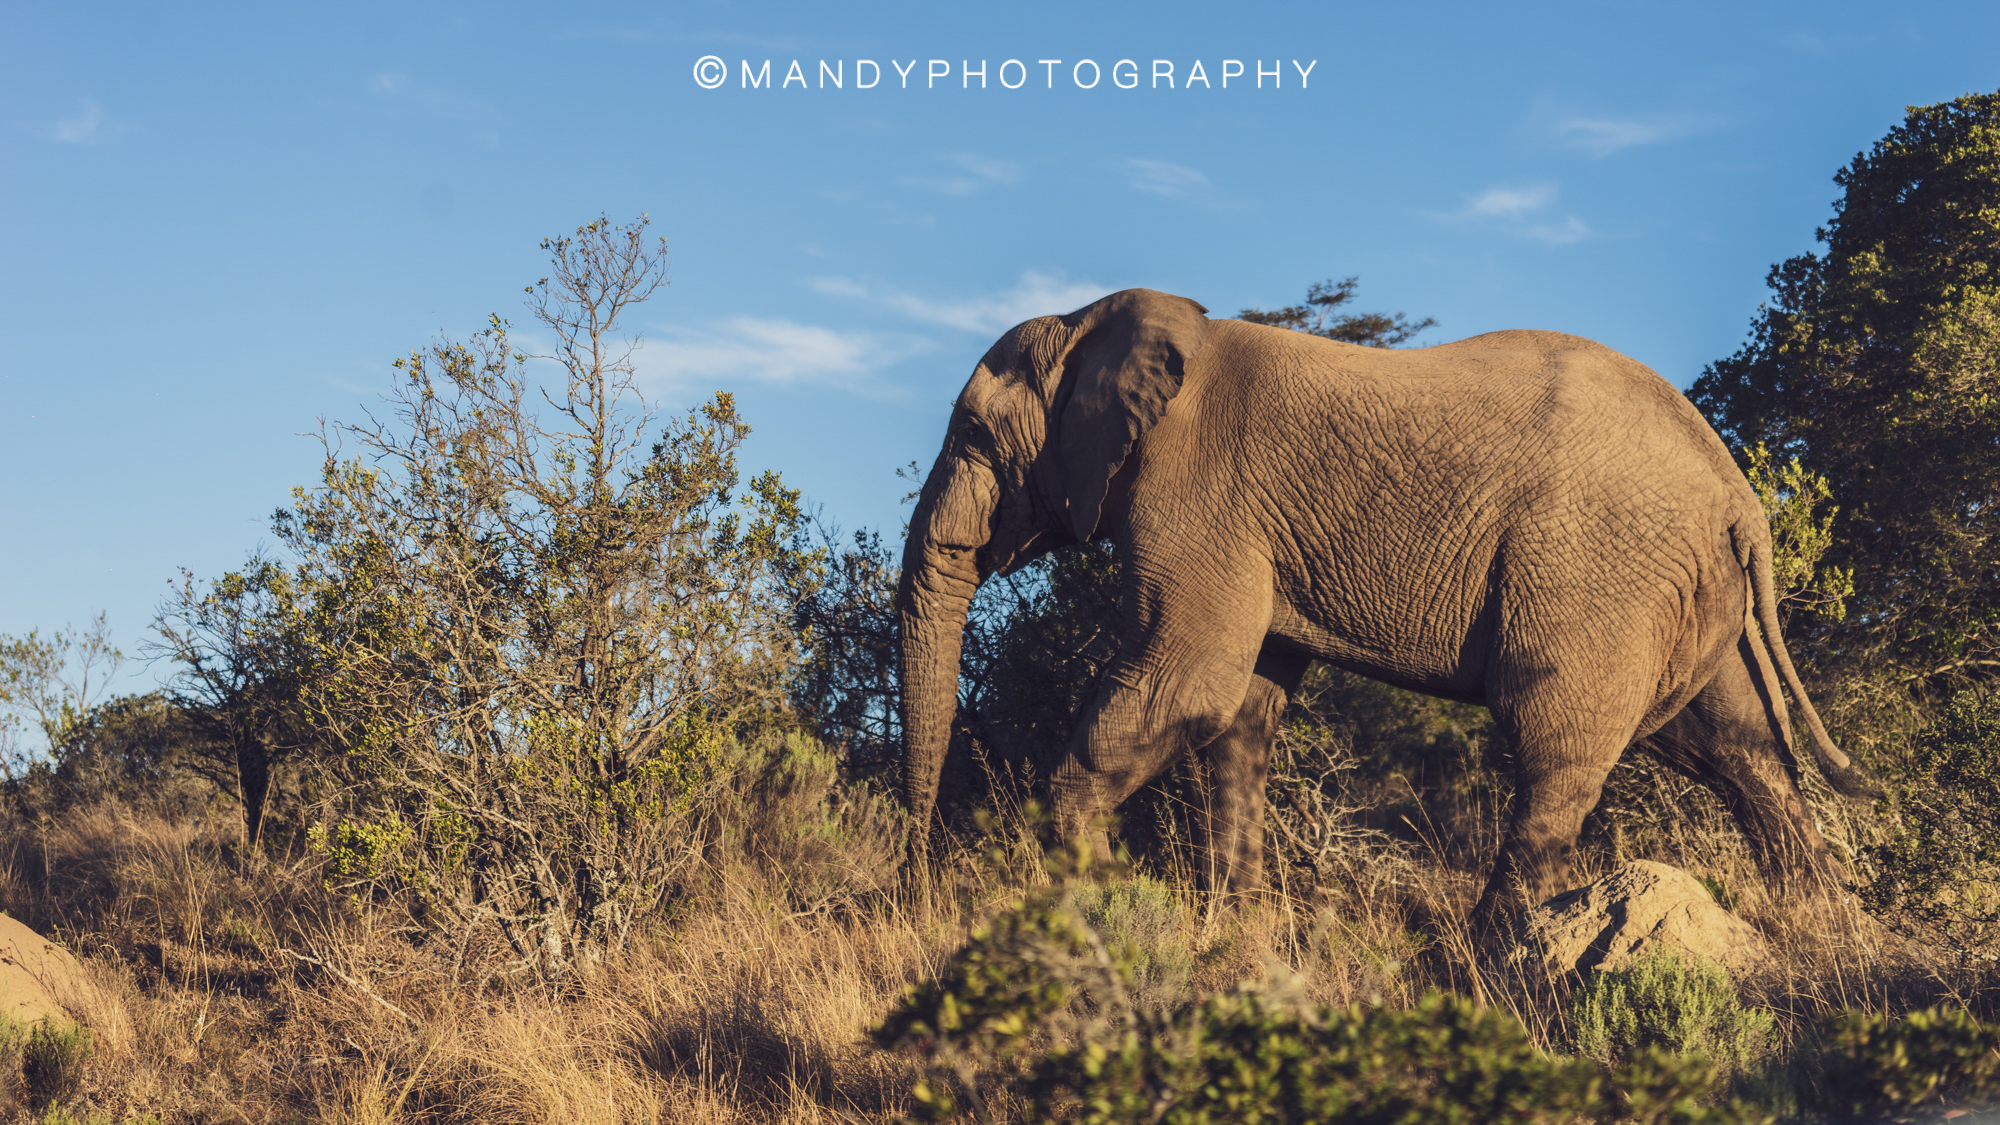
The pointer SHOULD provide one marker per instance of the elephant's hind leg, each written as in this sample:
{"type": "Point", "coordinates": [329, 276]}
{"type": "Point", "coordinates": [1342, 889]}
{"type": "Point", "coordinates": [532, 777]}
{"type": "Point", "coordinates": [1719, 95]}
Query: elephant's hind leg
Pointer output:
{"type": "Point", "coordinates": [1727, 740]}
{"type": "Point", "coordinates": [1568, 728]}
{"type": "Point", "coordinates": [1239, 766]}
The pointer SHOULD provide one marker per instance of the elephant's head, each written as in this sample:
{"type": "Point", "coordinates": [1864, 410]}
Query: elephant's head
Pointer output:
{"type": "Point", "coordinates": [1041, 428]}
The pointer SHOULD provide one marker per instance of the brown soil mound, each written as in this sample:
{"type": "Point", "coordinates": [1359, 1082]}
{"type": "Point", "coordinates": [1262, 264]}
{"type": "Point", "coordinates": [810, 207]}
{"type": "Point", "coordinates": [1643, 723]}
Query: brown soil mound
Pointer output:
{"type": "Point", "coordinates": [32, 969]}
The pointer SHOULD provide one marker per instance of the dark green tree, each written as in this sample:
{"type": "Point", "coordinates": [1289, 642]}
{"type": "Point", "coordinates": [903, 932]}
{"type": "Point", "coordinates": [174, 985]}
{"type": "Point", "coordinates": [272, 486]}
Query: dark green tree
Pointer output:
{"type": "Point", "coordinates": [848, 679]}
{"type": "Point", "coordinates": [1877, 364]}
{"type": "Point", "coordinates": [239, 653]}
{"type": "Point", "coordinates": [1938, 871]}
{"type": "Point", "coordinates": [141, 749]}
{"type": "Point", "coordinates": [1037, 644]}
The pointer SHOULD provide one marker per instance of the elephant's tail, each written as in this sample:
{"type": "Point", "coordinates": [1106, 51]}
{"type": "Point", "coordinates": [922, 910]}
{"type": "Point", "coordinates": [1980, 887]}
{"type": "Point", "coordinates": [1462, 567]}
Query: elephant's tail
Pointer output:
{"type": "Point", "coordinates": [1838, 769]}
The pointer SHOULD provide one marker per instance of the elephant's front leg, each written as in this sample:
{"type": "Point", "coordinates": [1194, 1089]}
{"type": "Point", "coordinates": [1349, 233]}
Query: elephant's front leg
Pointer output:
{"type": "Point", "coordinates": [1239, 765]}
{"type": "Point", "coordinates": [1179, 682]}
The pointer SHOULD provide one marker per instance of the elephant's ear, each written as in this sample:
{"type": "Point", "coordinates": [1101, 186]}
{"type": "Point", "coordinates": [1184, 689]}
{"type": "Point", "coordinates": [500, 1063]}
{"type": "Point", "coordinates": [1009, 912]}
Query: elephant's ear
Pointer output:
{"type": "Point", "coordinates": [1129, 356]}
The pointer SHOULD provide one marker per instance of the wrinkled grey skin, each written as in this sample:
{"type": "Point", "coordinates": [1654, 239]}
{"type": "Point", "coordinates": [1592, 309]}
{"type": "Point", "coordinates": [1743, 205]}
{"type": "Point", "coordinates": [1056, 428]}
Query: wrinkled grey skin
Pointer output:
{"type": "Point", "coordinates": [1524, 519]}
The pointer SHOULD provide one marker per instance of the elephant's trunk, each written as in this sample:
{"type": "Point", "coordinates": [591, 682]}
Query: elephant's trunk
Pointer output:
{"type": "Point", "coordinates": [931, 602]}
{"type": "Point", "coordinates": [941, 572]}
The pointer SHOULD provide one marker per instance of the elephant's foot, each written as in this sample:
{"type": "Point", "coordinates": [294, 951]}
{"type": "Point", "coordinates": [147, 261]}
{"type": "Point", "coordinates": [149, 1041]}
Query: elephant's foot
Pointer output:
{"type": "Point", "coordinates": [1072, 802]}
{"type": "Point", "coordinates": [1491, 923]}
{"type": "Point", "coordinates": [1079, 838]}
{"type": "Point", "coordinates": [1533, 867]}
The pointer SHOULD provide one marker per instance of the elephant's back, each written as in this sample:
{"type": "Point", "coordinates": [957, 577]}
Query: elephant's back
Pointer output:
{"type": "Point", "coordinates": [1412, 484]}
{"type": "Point", "coordinates": [1541, 392]}
{"type": "Point", "coordinates": [1551, 375]}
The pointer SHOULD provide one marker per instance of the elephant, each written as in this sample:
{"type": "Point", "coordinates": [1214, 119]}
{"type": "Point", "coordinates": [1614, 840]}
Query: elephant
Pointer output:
{"type": "Point", "coordinates": [1523, 519]}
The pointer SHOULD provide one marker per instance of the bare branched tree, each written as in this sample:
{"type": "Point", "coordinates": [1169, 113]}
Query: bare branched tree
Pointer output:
{"type": "Point", "coordinates": [542, 608]}
{"type": "Point", "coordinates": [49, 682]}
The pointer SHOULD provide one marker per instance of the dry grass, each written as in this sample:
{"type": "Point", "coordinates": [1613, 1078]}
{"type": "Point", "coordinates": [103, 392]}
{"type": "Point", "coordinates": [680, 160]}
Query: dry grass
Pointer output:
{"type": "Point", "coordinates": [224, 988]}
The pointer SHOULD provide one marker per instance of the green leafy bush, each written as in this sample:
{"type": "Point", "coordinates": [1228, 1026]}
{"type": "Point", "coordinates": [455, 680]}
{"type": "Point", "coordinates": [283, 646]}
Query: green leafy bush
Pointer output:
{"type": "Point", "coordinates": [1661, 1002]}
{"type": "Point", "coordinates": [1253, 1056]}
{"type": "Point", "coordinates": [1140, 919]}
{"type": "Point", "coordinates": [52, 1061]}
{"type": "Point", "coordinates": [780, 812]}
{"type": "Point", "coordinates": [521, 707]}
{"type": "Point", "coordinates": [1878, 1068]}
{"type": "Point", "coordinates": [1938, 877]}
{"type": "Point", "coordinates": [1038, 1015]}
{"type": "Point", "coordinates": [13, 1042]}
{"type": "Point", "coordinates": [1036, 972]}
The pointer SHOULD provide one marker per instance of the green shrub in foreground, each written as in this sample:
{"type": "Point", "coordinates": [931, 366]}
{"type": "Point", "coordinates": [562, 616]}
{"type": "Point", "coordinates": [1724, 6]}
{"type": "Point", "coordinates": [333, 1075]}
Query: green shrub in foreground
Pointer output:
{"type": "Point", "coordinates": [52, 1060]}
{"type": "Point", "coordinates": [1664, 1002]}
{"type": "Point", "coordinates": [13, 1040]}
{"type": "Point", "coordinates": [1140, 918]}
{"type": "Point", "coordinates": [1017, 973]}
{"type": "Point", "coordinates": [1251, 1056]}
{"type": "Point", "coordinates": [1878, 1068]}
{"type": "Point", "coordinates": [1038, 1011]}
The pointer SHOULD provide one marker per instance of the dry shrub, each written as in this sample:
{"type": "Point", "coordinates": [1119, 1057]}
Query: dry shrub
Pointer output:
{"type": "Point", "coordinates": [225, 986]}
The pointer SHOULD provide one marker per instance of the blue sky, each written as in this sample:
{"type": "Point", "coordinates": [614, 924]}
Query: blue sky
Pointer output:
{"type": "Point", "coordinates": [223, 223]}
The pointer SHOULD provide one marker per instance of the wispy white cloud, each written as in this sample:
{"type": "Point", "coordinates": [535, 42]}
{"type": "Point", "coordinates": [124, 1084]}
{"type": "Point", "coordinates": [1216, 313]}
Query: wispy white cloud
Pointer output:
{"type": "Point", "coordinates": [1510, 202]}
{"type": "Point", "coordinates": [969, 173]}
{"type": "Point", "coordinates": [86, 128]}
{"type": "Point", "coordinates": [1520, 211]}
{"type": "Point", "coordinates": [1602, 136]}
{"type": "Point", "coordinates": [1037, 294]}
{"type": "Point", "coordinates": [777, 352]}
{"type": "Point", "coordinates": [1560, 232]}
{"type": "Point", "coordinates": [404, 90]}
{"type": "Point", "coordinates": [1163, 177]}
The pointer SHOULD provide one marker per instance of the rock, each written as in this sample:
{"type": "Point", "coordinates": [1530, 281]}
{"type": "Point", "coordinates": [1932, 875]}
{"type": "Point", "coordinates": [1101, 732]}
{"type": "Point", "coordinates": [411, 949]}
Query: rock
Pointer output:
{"type": "Point", "coordinates": [1640, 906]}
{"type": "Point", "coordinates": [32, 969]}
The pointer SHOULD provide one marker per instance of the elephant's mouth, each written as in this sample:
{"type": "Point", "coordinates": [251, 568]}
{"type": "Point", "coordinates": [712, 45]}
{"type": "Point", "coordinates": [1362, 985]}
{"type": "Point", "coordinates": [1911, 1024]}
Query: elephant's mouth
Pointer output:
{"type": "Point", "coordinates": [999, 555]}
{"type": "Point", "coordinates": [1005, 560]}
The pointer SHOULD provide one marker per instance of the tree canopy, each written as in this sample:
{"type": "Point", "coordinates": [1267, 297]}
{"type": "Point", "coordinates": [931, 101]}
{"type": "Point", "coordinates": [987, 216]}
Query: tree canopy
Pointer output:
{"type": "Point", "coordinates": [1876, 363]}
